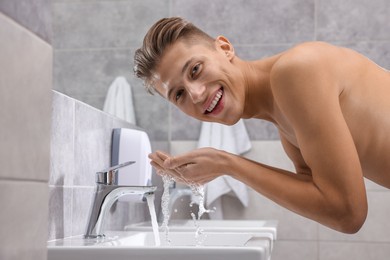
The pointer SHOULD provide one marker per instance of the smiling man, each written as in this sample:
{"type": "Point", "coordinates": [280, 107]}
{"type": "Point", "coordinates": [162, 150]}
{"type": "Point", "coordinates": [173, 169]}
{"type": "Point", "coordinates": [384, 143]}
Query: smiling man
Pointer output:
{"type": "Point", "coordinates": [331, 106]}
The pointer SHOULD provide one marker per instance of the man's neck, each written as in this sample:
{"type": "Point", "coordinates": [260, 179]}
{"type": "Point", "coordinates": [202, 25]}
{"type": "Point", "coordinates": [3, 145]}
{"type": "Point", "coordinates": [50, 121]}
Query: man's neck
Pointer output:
{"type": "Point", "coordinates": [258, 94]}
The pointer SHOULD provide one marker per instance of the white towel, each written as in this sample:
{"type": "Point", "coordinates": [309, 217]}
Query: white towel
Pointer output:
{"type": "Point", "coordinates": [232, 139]}
{"type": "Point", "coordinates": [119, 100]}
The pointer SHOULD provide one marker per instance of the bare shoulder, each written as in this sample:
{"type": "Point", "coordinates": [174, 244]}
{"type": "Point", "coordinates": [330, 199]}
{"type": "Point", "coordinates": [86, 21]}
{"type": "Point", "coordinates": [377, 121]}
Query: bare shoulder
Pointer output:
{"type": "Point", "coordinates": [307, 65]}
{"type": "Point", "coordinates": [304, 81]}
{"type": "Point", "coordinates": [308, 55]}
{"type": "Point", "coordinates": [320, 58]}
{"type": "Point", "coordinates": [313, 49]}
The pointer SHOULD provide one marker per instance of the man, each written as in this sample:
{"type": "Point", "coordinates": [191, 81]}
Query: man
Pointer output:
{"type": "Point", "coordinates": [330, 104]}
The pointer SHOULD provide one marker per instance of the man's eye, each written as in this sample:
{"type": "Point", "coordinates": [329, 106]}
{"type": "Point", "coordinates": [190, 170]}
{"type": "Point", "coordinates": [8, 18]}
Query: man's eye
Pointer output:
{"type": "Point", "coordinates": [179, 94]}
{"type": "Point", "coordinates": [195, 70]}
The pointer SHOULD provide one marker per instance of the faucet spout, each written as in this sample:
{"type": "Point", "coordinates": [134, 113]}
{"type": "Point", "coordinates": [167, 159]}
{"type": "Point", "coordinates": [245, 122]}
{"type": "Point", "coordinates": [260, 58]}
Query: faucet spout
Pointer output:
{"type": "Point", "coordinates": [107, 192]}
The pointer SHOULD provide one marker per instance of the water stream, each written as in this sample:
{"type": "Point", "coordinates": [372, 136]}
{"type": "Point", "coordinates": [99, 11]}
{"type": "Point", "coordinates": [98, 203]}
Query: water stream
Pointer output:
{"type": "Point", "coordinates": [168, 180]}
{"type": "Point", "coordinates": [152, 211]}
{"type": "Point", "coordinates": [197, 190]}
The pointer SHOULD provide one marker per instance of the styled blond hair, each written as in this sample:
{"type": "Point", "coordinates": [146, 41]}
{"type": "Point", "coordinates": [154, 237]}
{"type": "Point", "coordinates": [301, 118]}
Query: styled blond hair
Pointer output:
{"type": "Point", "coordinates": [162, 34]}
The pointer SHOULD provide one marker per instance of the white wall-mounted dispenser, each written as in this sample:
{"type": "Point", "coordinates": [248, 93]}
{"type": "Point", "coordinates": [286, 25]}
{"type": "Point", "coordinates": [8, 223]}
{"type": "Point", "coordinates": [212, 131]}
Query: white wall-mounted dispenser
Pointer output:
{"type": "Point", "coordinates": [131, 145]}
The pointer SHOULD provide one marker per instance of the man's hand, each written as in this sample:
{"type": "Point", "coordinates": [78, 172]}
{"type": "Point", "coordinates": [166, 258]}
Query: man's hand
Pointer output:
{"type": "Point", "coordinates": [198, 166]}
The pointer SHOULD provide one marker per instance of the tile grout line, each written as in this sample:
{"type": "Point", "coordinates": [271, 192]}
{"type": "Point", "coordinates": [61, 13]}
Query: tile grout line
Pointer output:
{"type": "Point", "coordinates": [315, 19]}
{"type": "Point", "coordinates": [73, 165]}
{"type": "Point", "coordinates": [248, 45]}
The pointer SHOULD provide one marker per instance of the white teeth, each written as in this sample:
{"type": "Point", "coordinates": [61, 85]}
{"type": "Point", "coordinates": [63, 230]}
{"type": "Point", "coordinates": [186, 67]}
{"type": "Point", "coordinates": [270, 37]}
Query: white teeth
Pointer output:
{"type": "Point", "coordinates": [215, 101]}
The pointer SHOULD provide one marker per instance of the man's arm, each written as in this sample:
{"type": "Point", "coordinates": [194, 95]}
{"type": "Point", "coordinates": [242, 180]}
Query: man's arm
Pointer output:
{"type": "Point", "coordinates": [296, 157]}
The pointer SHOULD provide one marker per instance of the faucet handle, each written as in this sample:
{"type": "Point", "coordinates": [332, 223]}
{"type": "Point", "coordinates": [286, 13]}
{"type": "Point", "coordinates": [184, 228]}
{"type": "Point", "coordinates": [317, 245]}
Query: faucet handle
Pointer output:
{"type": "Point", "coordinates": [108, 176]}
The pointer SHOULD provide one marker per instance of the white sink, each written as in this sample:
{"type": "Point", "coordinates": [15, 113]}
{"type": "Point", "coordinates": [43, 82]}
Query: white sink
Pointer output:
{"type": "Point", "coordinates": [182, 239]}
{"type": "Point", "coordinates": [259, 228]}
{"type": "Point", "coordinates": [228, 240]}
{"type": "Point", "coordinates": [251, 226]}
{"type": "Point", "coordinates": [140, 246]}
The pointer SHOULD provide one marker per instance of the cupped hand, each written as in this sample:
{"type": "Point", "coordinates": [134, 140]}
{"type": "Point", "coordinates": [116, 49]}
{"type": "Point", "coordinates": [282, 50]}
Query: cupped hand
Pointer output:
{"type": "Point", "coordinates": [157, 161]}
{"type": "Point", "coordinates": [198, 166]}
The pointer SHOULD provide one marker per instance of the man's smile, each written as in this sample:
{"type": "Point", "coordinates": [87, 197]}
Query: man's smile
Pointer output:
{"type": "Point", "coordinates": [214, 102]}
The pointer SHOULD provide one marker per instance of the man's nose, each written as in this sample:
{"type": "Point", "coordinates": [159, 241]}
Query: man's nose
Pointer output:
{"type": "Point", "coordinates": [196, 92]}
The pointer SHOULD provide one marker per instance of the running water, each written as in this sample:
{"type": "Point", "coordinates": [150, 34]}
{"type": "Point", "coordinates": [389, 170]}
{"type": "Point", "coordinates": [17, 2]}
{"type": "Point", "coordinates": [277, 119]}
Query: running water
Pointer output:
{"type": "Point", "coordinates": [152, 211]}
{"type": "Point", "coordinates": [168, 180]}
{"type": "Point", "coordinates": [198, 191]}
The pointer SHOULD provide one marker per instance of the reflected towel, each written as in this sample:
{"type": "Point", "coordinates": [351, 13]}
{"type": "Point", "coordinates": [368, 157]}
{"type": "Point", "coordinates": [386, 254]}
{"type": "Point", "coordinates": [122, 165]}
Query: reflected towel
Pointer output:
{"type": "Point", "coordinates": [233, 139]}
{"type": "Point", "coordinates": [119, 100]}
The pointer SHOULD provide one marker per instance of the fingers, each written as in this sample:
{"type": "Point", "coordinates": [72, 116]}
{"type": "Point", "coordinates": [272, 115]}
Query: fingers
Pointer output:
{"type": "Point", "coordinates": [185, 174]}
{"type": "Point", "coordinates": [158, 168]}
{"type": "Point", "coordinates": [178, 161]}
{"type": "Point", "coordinates": [169, 162]}
{"type": "Point", "coordinates": [158, 158]}
{"type": "Point", "coordinates": [184, 168]}
{"type": "Point", "coordinates": [189, 158]}
{"type": "Point", "coordinates": [158, 155]}
{"type": "Point", "coordinates": [157, 161]}
{"type": "Point", "coordinates": [163, 156]}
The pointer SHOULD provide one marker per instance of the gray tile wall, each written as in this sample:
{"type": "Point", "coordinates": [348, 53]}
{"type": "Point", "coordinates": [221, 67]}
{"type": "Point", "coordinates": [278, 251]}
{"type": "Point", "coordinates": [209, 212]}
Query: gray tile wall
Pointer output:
{"type": "Point", "coordinates": [81, 146]}
{"type": "Point", "coordinates": [25, 101]}
{"type": "Point", "coordinates": [33, 15]}
{"type": "Point", "coordinates": [95, 40]}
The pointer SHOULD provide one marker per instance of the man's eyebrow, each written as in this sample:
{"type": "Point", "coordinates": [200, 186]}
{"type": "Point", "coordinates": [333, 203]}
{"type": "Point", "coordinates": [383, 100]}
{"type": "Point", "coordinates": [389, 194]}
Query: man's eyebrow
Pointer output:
{"type": "Point", "coordinates": [170, 90]}
{"type": "Point", "coordinates": [185, 67]}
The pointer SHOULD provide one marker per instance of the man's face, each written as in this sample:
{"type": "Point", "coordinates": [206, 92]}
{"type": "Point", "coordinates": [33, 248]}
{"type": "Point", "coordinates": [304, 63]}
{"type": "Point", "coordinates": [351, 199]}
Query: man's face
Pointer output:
{"type": "Point", "coordinates": [201, 81]}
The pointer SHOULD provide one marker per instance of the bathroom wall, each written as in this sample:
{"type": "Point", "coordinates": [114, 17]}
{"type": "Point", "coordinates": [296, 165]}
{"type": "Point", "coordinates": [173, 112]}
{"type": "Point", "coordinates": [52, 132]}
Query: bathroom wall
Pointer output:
{"type": "Point", "coordinates": [26, 59]}
{"type": "Point", "coordinates": [94, 41]}
{"type": "Point", "coordinates": [80, 147]}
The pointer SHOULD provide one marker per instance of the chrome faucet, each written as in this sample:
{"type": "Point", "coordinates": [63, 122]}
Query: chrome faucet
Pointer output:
{"type": "Point", "coordinates": [107, 192]}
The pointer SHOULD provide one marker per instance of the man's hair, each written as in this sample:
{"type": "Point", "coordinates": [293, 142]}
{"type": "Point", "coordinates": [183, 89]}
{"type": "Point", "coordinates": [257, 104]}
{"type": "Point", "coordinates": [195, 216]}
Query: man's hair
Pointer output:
{"type": "Point", "coordinates": [161, 35]}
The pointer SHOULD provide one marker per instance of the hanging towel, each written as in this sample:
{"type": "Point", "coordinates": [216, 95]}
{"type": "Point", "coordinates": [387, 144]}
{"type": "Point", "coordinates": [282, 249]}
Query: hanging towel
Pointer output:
{"type": "Point", "coordinates": [119, 100]}
{"type": "Point", "coordinates": [233, 139]}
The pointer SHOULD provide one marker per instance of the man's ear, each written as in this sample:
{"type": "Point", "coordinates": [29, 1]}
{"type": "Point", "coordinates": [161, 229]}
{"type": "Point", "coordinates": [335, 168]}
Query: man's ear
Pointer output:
{"type": "Point", "coordinates": [225, 46]}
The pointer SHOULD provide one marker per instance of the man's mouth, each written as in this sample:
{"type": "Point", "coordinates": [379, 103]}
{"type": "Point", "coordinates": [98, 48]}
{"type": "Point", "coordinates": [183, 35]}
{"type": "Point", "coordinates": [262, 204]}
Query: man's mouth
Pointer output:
{"type": "Point", "coordinates": [215, 101]}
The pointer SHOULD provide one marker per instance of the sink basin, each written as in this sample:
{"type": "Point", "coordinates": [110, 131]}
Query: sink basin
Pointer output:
{"type": "Point", "coordinates": [259, 228]}
{"type": "Point", "coordinates": [140, 245]}
{"type": "Point", "coordinates": [182, 239]}
{"type": "Point", "coordinates": [248, 226]}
